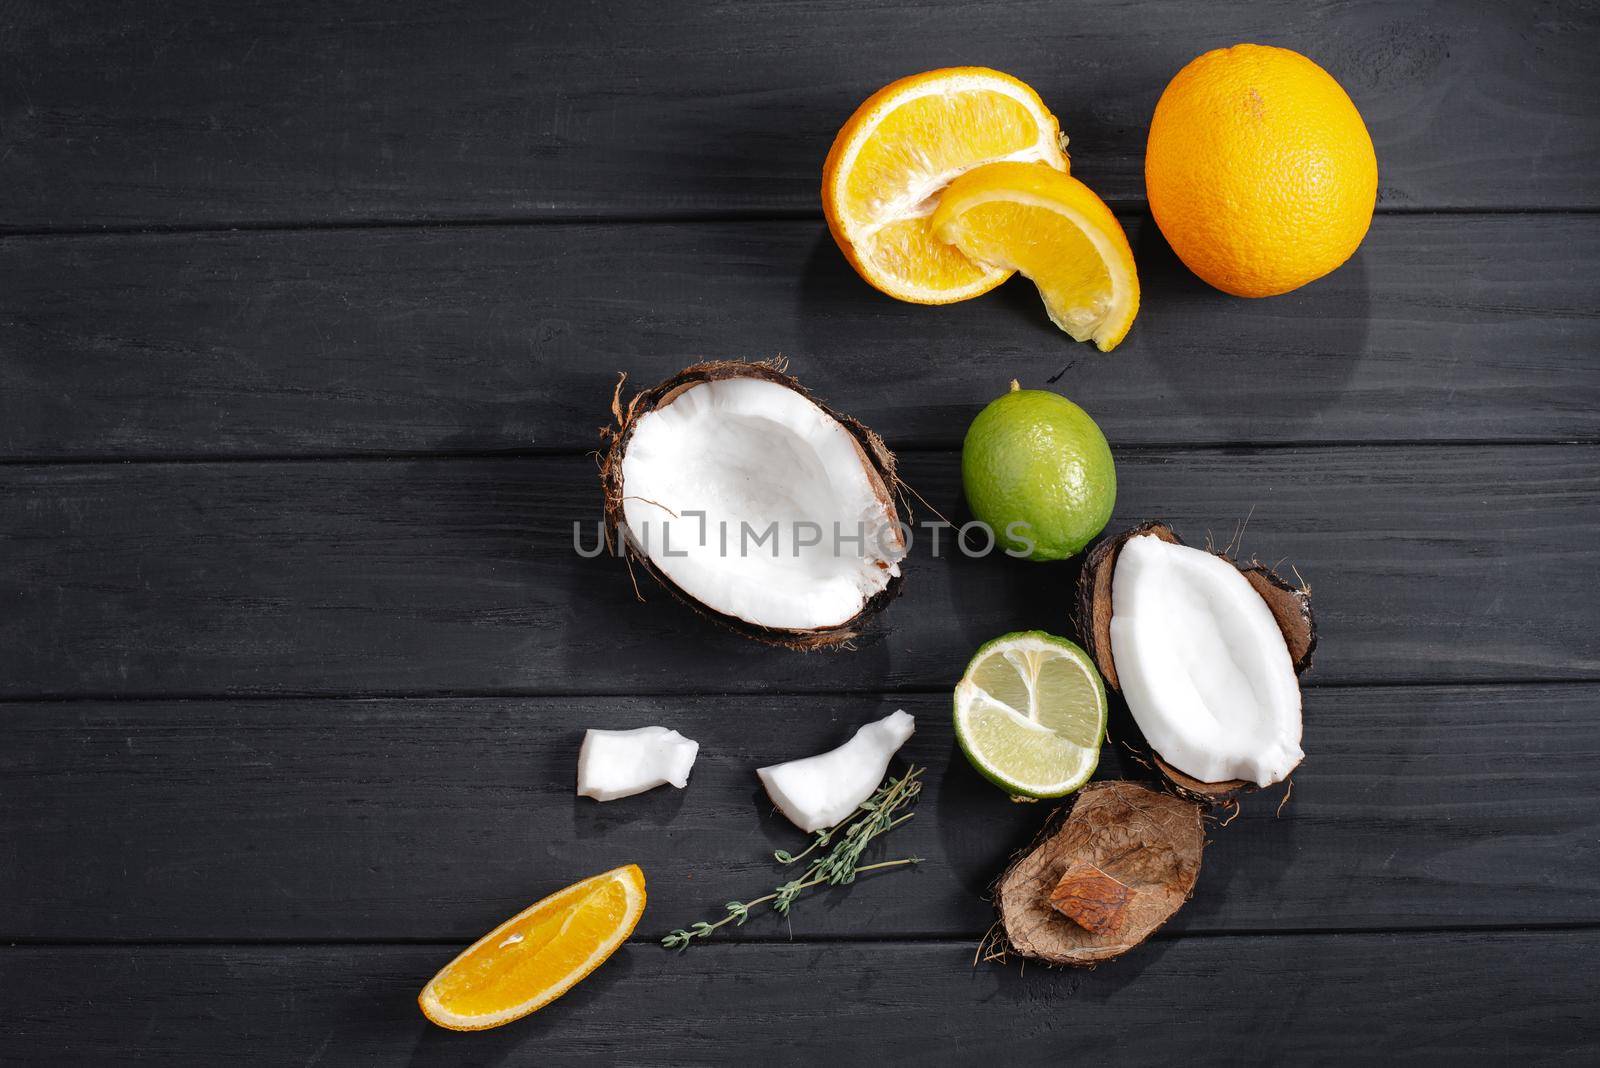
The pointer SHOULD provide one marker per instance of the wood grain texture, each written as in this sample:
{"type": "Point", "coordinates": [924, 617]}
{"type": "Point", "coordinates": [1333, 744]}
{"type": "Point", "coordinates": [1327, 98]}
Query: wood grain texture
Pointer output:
{"type": "Point", "coordinates": [475, 339]}
{"type": "Point", "coordinates": [460, 576]}
{"type": "Point", "coordinates": [204, 113]}
{"type": "Point", "coordinates": [633, 186]}
{"type": "Point", "coordinates": [434, 819]}
{"type": "Point", "coordinates": [1451, 998]}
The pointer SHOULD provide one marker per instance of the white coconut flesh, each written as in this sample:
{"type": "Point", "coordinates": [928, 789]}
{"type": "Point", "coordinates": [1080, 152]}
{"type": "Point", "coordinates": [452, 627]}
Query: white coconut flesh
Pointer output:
{"type": "Point", "coordinates": [614, 764]}
{"type": "Point", "coordinates": [819, 791]}
{"type": "Point", "coordinates": [776, 477]}
{"type": "Point", "coordinates": [1203, 665]}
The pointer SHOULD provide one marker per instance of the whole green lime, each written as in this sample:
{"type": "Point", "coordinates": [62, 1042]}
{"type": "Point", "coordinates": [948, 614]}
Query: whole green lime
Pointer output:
{"type": "Point", "coordinates": [1038, 471]}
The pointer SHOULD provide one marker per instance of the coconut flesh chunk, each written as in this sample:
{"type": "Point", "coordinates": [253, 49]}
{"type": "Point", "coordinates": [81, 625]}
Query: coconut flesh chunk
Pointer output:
{"type": "Point", "coordinates": [777, 478]}
{"type": "Point", "coordinates": [615, 764]}
{"type": "Point", "coordinates": [1203, 664]}
{"type": "Point", "coordinates": [819, 791]}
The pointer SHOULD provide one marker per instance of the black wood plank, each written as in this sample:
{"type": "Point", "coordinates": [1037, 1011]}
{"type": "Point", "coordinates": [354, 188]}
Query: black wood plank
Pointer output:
{"type": "Point", "coordinates": [460, 576]}
{"type": "Point", "coordinates": [206, 112]}
{"type": "Point", "coordinates": [434, 819]}
{"type": "Point", "coordinates": [1446, 998]}
{"type": "Point", "coordinates": [1442, 328]}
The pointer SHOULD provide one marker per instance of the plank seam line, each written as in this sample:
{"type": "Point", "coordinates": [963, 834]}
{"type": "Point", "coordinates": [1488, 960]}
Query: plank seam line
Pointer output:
{"type": "Point", "coordinates": [573, 451]}
{"type": "Point", "coordinates": [970, 939]}
{"type": "Point", "coordinates": [886, 693]}
{"type": "Point", "coordinates": [1126, 208]}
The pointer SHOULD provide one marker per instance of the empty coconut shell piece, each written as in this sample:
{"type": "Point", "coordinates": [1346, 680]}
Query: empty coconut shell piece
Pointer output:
{"type": "Point", "coordinates": [1290, 607]}
{"type": "Point", "coordinates": [754, 504]}
{"type": "Point", "coordinates": [1121, 863]}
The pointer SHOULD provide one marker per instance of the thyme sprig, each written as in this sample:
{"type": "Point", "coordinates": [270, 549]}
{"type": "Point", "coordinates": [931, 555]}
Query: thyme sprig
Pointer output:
{"type": "Point", "coordinates": [878, 814]}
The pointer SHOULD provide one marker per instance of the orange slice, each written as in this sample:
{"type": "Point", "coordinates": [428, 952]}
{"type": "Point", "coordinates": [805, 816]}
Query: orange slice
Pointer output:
{"type": "Point", "coordinates": [1032, 218]}
{"type": "Point", "coordinates": [901, 148]}
{"type": "Point", "coordinates": [537, 955]}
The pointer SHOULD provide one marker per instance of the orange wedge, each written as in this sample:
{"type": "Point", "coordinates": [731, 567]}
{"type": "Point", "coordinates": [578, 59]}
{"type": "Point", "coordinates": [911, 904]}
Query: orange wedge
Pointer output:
{"type": "Point", "coordinates": [901, 148]}
{"type": "Point", "coordinates": [537, 955]}
{"type": "Point", "coordinates": [1032, 218]}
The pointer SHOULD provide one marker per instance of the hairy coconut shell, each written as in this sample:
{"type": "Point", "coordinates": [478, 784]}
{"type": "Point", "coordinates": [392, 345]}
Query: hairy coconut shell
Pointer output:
{"type": "Point", "coordinates": [1145, 840]}
{"type": "Point", "coordinates": [1290, 606]}
{"type": "Point", "coordinates": [876, 458]}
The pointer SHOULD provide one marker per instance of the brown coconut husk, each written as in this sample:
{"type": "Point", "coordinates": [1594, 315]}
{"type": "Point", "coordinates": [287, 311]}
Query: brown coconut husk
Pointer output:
{"type": "Point", "coordinates": [1103, 879]}
{"type": "Point", "coordinates": [1290, 606]}
{"type": "Point", "coordinates": [876, 458]}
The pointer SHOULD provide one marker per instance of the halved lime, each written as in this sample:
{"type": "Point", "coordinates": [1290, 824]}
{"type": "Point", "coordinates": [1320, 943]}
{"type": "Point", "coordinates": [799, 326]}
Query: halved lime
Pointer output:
{"type": "Point", "coordinates": [1031, 714]}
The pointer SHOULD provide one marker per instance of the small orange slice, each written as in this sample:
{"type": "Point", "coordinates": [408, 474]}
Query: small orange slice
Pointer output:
{"type": "Point", "coordinates": [537, 955]}
{"type": "Point", "coordinates": [1034, 219]}
{"type": "Point", "coordinates": [901, 148]}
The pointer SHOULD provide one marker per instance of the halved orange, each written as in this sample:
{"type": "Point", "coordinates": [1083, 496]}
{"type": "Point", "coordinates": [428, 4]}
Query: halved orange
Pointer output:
{"type": "Point", "coordinates": [1050, 226]}
{"type": "Point", "coordinates": [538, 954]}
{"type": "Point", "coordinates": [902, 146]}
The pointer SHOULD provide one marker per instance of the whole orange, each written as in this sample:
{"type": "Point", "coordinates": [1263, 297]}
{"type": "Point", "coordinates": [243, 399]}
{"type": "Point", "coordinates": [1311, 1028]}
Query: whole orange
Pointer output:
{"type": "Point", "coordinates": [1259, 170]}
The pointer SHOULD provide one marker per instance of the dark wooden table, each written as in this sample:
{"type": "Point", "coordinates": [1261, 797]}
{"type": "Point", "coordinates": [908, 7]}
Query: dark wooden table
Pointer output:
{"type": "Point", "coordinates": [309, 313]}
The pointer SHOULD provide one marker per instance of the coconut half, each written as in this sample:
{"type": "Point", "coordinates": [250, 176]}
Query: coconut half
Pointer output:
{"type": "Point", "coordinates": [1211, 652]}
{"type": "Point", "coordinates": [1101, 880]}
{"type": "Point", "coordinates": [754, 504]}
